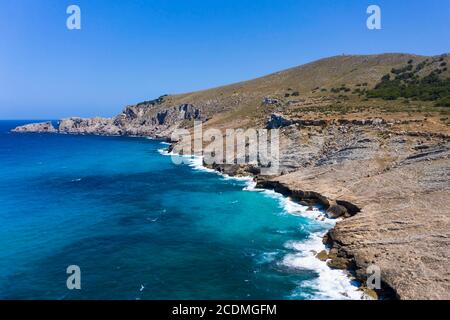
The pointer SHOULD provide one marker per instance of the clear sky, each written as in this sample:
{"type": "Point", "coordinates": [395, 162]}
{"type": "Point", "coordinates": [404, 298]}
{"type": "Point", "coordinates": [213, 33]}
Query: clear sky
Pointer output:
{"type": "Point", "coordinates": [133, 50]}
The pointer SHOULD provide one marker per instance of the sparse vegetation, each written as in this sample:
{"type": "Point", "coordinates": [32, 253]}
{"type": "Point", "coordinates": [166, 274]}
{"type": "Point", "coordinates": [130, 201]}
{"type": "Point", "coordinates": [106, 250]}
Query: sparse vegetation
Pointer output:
{"type": "Point", "coordinates": [335, 87]}
{"type": "Point", "coordinates": [407, 84]}
{"type": "Point", "coordinates": [443, 102]}
{"type": "Point", "coordinates": [158, 100]}
{"type": "Point", "coordinates": [343, 88]}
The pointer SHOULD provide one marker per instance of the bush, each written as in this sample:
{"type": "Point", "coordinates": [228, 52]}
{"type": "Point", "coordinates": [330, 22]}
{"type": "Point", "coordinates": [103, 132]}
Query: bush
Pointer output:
{"type": "Point", "coordinates": [444, 102]}
{"type": "Point", "coordinates": [408, 85]}
{"type": "Point", "coordinates": [402, 70]}
{"type": "Point", "coordinates": [420, 66]}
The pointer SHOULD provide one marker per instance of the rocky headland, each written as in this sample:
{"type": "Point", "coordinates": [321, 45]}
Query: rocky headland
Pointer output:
{"type": "Point", "coordinates": [379, 163]}
{"type": "Point", "coordinates": [40, 127]}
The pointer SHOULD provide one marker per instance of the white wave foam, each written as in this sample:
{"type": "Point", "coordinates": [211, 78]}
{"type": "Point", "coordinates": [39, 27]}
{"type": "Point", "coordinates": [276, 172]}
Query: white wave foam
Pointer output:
{"type": "Point", "coordinates": [330, 283]}
{"type": "Point", "coordinates": [196, 162]}
{"type": "Point", "coordinates": [163, 151]}
{"type": "Point", "coordinates": [267, 257]}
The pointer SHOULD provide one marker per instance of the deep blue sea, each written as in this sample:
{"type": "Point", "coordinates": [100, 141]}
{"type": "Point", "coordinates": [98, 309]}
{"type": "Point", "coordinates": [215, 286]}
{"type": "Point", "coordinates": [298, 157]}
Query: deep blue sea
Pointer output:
{"type": "Point", "coordinates": [141, 227]}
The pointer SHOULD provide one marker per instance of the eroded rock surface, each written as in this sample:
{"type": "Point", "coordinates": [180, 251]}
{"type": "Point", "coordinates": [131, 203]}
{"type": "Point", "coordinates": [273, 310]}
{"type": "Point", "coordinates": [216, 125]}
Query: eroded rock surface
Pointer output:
{"type": "Point", "coordinates": [401, 185]}
{"type": "Point", "coordinates": [97, 125]}
{"type": "Point", "coordinates": [144, 119]}
{"type": "Point", "coordinates": [41, 127]}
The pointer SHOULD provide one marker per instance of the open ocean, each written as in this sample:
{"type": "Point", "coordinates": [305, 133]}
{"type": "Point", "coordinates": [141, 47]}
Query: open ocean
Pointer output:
{"type": "Point", "coordinates": [141, 227]}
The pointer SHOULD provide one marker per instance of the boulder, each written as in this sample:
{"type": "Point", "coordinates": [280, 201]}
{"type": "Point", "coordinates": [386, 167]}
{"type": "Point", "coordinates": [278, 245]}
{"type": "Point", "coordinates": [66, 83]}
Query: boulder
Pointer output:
{"type": "Point", "coordinates": [322, 255]}
{"type": "Point", "coordinates": [338, 263]}
{"type": "Point", "coordinates": [270, 101]}
{"type": "Point", "coordinates": [336, 211]}
{"type": "Point", "coordinates": [277, 121]}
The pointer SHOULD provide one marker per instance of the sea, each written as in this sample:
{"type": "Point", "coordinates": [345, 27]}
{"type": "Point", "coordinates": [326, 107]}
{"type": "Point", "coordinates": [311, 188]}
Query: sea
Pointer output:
{"type": "Point", "coordinates": [136, 225]}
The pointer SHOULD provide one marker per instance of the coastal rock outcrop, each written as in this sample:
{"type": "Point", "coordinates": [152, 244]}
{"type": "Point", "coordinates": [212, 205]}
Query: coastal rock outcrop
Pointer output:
{"type": "Point", "coordinates": [144, 119]}
{"type": "Point", "coordinates": [101, 126]}
{"type": "Point", "coordinates": [154, 119]}
{"type": "Point", "coordinates": [41, 127]}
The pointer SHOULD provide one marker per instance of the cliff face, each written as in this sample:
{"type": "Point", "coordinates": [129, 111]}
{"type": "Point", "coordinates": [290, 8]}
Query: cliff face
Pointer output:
{"type": "Point", "coordinates": [145, 119]}
{"type": "Point", "coordinates": [381, 164]}
{"type": "Point", "coordinates": [88, 126]}
{"type": "Point", "coordinates": [156, 118]}
{"type": "Point", "coordinates": [398, 181]}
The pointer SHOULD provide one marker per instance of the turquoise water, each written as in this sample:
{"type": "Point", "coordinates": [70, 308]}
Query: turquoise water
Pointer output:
{"type": "Point", "coordinates": [141, 227]}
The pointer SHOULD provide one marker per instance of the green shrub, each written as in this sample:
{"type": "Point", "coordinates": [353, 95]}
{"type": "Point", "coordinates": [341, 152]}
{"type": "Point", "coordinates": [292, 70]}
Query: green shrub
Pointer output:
{"type": "Point", "coordinates": [408, 85]}
{"type": "Point", "coordinates": [420, 66]}
{"type": "Point", "coordinates": [443, 102]}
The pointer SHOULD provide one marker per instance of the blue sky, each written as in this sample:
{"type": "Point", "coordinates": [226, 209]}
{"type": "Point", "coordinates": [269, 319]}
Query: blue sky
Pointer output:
{"type": "Point", "coordinates": [129, 51]}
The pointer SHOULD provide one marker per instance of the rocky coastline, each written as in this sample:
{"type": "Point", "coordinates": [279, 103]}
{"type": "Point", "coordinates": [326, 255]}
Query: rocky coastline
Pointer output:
{"type": "Point", "coordinates": [334, 208]}
{"type": "Point", "coordinates": [375, 198]}
{"type": "Point", "coordinates": [370, 199]}
{"type": "Point", "coordinates": [381, 167]}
